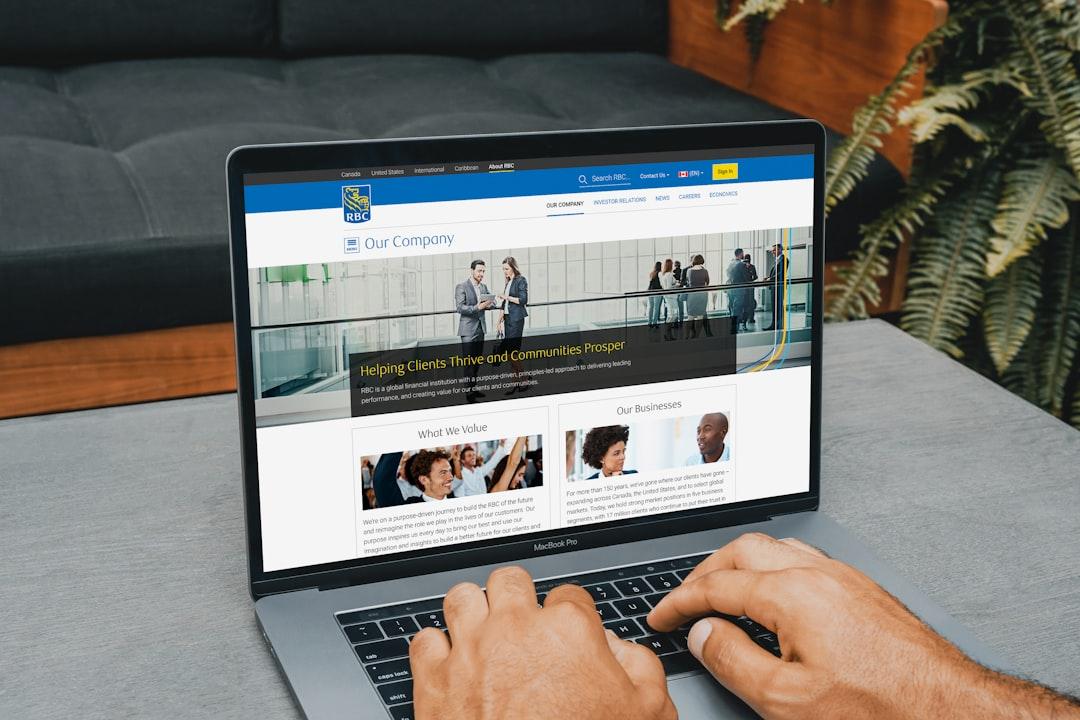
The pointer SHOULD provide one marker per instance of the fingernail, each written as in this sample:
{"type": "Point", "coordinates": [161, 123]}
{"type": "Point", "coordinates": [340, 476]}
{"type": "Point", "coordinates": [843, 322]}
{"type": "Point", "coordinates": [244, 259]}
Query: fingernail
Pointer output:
{"type": "Point", "coordinates": [697, 637]}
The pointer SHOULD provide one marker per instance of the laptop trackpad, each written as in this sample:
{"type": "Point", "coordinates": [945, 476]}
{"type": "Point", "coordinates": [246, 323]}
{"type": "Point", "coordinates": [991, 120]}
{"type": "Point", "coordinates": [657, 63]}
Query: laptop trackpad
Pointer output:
{"type": "Point", "coordinates": [700, 696]}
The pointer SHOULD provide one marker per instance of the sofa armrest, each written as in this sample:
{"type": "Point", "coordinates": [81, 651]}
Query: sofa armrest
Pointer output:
{"type": "Point", "coordinates": [819, 61]}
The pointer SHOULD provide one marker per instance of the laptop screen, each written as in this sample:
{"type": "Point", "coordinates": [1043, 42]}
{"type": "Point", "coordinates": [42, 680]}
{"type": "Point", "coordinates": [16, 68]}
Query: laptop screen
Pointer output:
{"type": "Point", "coordinates": [458, 353]}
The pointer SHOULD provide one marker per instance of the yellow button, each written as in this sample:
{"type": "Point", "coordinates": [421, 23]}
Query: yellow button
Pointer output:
{"type": "Point", "coordinates": [725, 171]}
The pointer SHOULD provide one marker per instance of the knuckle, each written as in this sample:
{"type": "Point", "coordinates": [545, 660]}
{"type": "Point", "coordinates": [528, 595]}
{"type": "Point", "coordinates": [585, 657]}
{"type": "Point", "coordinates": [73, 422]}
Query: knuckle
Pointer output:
{"type": "Point", "coordinates": [458, 595]}
{"type": "Point", "coordinates": [573, 613]}
{"type": "Point", "coordinates": [421, 640]}
{"type": "Point", "coordinates": [509, 572]}
{"type": "Point", "coordinates": [754, 539]}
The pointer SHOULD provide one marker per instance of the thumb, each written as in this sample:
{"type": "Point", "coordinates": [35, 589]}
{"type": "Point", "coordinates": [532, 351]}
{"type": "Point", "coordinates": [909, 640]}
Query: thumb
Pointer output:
{"type": "Point", "coordinates": [733, 658]}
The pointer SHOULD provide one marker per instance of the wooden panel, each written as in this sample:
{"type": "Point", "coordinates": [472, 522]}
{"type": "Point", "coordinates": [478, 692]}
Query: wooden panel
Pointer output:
{"type": "Point", "coordinates": [819, 61]}
{"type": "Point", "coordinates": [73, 374]}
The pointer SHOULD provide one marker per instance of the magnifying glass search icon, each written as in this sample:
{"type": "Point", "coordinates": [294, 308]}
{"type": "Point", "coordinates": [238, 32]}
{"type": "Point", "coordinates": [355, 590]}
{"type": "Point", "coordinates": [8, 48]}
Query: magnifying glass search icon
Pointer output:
{"type": "Point", "coordinates": [581, 180]}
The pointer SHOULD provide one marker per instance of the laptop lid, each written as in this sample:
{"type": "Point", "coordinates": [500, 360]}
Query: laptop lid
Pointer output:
{"type": "Point", "coordinates": [464, 350]}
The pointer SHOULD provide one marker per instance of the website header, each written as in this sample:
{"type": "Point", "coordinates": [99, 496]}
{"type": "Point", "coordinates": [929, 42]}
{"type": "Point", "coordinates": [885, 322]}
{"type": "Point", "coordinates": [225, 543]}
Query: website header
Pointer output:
{"type": "Point", "coordinates": [483, 166]}
{"type": "Point", "coordinates": [511, 182]}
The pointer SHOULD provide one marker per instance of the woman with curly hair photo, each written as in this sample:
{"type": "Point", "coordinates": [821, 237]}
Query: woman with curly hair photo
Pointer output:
{"type": "Point", "coordinates": [605, 449]}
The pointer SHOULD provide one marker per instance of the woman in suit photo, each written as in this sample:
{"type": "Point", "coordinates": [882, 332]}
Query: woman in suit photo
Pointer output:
{"type": "Point", "coordinates": [513, 300]}
{"type": "Point", "coordinates": [605, 449]}
{"type": "Point", "coordinates": [697, 305]}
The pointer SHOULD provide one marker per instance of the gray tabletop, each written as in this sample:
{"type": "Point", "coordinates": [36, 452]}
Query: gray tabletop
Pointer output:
{"type": "Point", "coordinates": [122, 574]}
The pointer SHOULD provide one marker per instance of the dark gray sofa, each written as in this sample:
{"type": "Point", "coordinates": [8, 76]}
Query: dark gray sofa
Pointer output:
{"type": "Point", "coordinates": [116, 117]}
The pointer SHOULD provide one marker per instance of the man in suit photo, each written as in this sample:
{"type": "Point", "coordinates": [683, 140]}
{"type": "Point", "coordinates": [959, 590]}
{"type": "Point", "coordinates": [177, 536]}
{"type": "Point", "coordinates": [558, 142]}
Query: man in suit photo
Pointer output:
{"type": "Point", "coordinates": [778, 277]}
{"type": "Point", "coordinates": [472, 324]}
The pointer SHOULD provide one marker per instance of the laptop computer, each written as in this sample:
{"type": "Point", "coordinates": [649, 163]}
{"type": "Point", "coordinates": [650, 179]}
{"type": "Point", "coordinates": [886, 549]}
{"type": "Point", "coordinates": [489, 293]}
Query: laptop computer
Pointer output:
{"type": "Point", "coordinates": [645, 387]}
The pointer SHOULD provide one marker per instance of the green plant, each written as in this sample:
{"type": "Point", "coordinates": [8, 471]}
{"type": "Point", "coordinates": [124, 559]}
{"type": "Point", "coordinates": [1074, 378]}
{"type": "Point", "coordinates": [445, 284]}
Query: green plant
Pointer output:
{"type": "Point", "coordinates": [991, 206]}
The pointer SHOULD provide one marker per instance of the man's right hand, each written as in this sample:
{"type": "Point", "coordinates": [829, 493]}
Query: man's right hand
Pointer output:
{"type": "Point", "coordinates": [483, 305]}
{"type": "Point", "coordinates": [850, 649]}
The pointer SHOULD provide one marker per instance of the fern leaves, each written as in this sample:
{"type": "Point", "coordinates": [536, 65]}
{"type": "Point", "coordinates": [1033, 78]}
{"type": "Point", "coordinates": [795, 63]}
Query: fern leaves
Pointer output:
{"type": "Point", "coordinates": [858, 282]}
{"type": "Point", "coordinates": [748, 8]}
{"type": "Point", "coordinates": [1009, 313]}
{"type": "Point", "coordinates": [1053, 86]}
{"type": "Point", "coordinates": [945, 285]}
{"type": "Point", "coordinates": [1059, 353]}
{"type": "Point", "coordinates": [1035, 198]}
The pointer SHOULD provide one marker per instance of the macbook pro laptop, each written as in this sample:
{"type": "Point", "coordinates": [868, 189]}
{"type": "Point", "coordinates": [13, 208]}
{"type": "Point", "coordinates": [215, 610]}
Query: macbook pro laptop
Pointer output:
{"type": "Point", "coordinates": [597, 354]}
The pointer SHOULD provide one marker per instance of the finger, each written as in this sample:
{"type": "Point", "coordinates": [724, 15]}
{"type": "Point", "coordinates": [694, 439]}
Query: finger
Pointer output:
{"type": "Point", "coordinates": [641, 665]}
{"type": "Point", "coordinates": [751, 551]}
{"type": "Point", "coordinates": [465, 608]}
{"type": "Point", "coordinates": [570, 593]}
{"type": "Point", "coordinates": [797, 543]}
{"type": "Point", "coordinates": [734, 659]}
{"type": "Point", "coordinates": [510, 588]}
{"type": "Point", "coordinates": [646, 673]}
{"type": "Point", "coordinates": [427, 651]}
{"type": "Point", "coordinates": [732, 592]}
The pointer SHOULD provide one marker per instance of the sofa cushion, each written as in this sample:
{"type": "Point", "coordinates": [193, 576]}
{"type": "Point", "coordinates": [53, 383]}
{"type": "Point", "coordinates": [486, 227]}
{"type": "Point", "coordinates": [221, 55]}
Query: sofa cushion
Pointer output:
{"type": "Point", "coordinates": [471, 28]}
{"type": "Point", "coordinates": [112, 198]}
{"type": "Point", "coordinates": [61, 32]}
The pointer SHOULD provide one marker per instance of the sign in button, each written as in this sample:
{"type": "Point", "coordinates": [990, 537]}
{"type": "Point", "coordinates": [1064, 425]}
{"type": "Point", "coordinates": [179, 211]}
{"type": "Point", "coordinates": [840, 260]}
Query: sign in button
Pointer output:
{"type": "Point", "coordinates": [725, 171]}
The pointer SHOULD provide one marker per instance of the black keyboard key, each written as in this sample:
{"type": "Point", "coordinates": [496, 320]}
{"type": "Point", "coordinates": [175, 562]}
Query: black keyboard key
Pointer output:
{"type": "Point", "coordinates": [540, 598]}
{"type": "Point", "coordinates": [546, 586]}
{"type": "Point", "coordinates": [389, 671]}
{"type": "Point", "coordinates": [433, 619]}
{"type": "Point", "coordinates": [382, 650]}
{"type": "Point", "coordinates": [633, 587]}
{"type": "Point", "coordinates": [402, 712]}
{"type": "Point", "coordinates": [352, 617]}
{"type": "Point", "coordinates": [631, 607]}
{"type": "Point", "coordinates": [394, 693]}
{"type": "Point", "coordinates": [625, 628]}
{"type": "Point", "coordinates": [363, 632]}
{"type": "Point", "coordinates": [679, 635]}
{"type": "Point", "coordinates": [606, 612]}
{"type": "Point", "coordinates": [746, 623]}
{"type": "Point", "coordinates": [399, 626]}
{"type": "Point", "coordinates": [679, 662]}
{"type": "Point", "coordinates": [688, 562]}
{"type": "Point", "coordinates": [664, 582]}
{"type": "Point", "coordinates": [658, 644]}
{"type": "Point", "coordinates": [602, 592]}
{"type": "Point", "coordinates": [770, 642]}
{"type": "Point", "coordinates": [655, 598]}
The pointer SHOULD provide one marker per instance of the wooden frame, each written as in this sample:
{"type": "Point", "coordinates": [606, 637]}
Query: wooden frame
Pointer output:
{"type": "Point", "coordinates": [78, 373]}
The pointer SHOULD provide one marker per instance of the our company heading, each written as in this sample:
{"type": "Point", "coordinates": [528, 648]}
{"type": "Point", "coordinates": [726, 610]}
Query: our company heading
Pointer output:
{"type": "Point", "coordinates": [409, 241]}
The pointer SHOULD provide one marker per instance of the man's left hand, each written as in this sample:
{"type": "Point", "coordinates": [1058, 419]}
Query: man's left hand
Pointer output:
{"type": "Point", "coordinates": [508, 658]}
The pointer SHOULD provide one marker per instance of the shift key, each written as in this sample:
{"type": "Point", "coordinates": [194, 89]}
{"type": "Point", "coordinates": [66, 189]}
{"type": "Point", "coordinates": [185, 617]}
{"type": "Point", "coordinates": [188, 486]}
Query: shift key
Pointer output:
{"type": "Point", "coordinates": [382, 650]}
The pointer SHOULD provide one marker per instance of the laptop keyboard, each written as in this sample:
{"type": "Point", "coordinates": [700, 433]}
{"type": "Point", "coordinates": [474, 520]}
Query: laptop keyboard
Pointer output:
{"type": "Point", "coordinates": [380, 636]}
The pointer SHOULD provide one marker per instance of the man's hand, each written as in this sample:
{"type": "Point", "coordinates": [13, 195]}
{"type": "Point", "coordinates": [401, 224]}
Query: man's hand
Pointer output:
{"type": "Point", "coordinates": [850, 649]}
{"type": "Point", "coordinates": [508, 658]}
{"type": "Point", "coordinates": [483, 305]}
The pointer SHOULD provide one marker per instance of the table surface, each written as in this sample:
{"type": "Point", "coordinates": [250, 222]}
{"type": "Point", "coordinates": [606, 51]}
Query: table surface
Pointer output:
{"type": "Point", "coordinates": [124, 589]}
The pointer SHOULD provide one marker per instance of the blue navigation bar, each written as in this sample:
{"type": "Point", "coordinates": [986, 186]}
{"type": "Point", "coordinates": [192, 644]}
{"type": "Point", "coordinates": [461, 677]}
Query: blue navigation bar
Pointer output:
{"type": "Point", "coordinates": [521, 183]}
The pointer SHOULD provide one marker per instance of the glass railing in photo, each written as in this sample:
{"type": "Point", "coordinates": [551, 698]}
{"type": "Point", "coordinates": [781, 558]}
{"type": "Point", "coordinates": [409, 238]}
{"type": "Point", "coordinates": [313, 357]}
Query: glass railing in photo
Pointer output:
{"type": "Point", "coordinates": [313, 356]}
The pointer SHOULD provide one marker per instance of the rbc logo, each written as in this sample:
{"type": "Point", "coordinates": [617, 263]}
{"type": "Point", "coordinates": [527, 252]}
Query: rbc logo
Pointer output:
{"type": "Point", "coordinates": [356, 202]}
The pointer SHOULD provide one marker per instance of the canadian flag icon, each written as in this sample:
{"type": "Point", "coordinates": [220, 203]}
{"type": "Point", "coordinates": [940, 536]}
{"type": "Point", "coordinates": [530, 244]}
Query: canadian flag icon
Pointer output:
{"type": "Point", "coordinates": [684, 173]}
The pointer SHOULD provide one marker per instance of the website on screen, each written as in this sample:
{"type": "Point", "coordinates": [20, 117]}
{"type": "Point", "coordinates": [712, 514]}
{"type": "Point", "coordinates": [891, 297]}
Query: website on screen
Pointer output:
{"type": "Point", "coordinates": [463, 352]}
